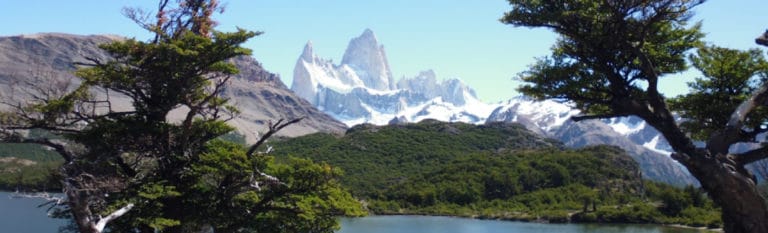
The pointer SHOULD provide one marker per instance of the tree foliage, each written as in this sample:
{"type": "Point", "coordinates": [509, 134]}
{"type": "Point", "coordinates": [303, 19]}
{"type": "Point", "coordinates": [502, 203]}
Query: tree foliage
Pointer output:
{"type": "Point", "coordinates": [610, 53]}
{"type": "Point", "coordinates": [608, 61]}
{"type": "Point", "coordinates": [142, 170]}
{"type": "Point", "coordinates": [489, 171]}
{"type": "Point", "coordinates": [373, 157]}
{"type": "Point", "coordinates": [729, 78]}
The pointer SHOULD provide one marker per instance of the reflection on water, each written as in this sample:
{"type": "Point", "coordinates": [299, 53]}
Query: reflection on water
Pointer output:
{"type": "Point", "coordinates": [428, 224]}
{"type": "Point", "coordinates": [21, 215]}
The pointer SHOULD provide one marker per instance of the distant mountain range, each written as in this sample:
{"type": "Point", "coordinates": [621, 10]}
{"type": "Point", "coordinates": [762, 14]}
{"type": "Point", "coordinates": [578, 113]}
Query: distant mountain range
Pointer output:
{"type": "Point", "coordinates": [361, 89]}
{"type": "Point", "coordinates": [259, 94]}
{"type": "Point", "coordinates": [552, 119]}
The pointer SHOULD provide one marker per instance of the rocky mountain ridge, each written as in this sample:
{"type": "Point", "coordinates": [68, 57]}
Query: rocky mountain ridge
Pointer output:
{"type": "Point", "coordinates": [356, 95]}
{"type": "Point", "coordinates": [260, 95]}
{"type": "Point", "coordinates": [361, 89]}
{"type": "Point", "coordinates": [552, 119]}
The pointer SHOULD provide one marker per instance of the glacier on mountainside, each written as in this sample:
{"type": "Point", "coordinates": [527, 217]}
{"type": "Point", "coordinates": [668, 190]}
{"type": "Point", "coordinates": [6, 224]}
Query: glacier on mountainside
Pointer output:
{"type": "Point", "coordinates": [362, 90]}
{"type": "Point", "coordinates": [547, 116]}
{"type": "Point", "coordinates": [553, 119]}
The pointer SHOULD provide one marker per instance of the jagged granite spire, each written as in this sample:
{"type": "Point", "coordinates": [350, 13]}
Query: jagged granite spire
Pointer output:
{"type": "Point", "coordinates": [451, 90]}
{"type": "Point", "coordinates": [362, 89]}
{"type": "Point", "coordinates": [368, 59]}
{"type": "Point", "coordinates": [308, 53]}
{"type": "Point", "coordinates": [303, 83]}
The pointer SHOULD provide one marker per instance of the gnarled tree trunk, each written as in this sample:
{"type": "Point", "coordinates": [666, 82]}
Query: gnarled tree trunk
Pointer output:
{"type": "Point", "coordinates": [743, 208]}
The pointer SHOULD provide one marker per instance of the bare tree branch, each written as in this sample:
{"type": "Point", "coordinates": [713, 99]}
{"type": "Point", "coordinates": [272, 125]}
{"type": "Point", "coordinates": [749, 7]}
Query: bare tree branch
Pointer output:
{"type": "Point", "coordinates": [720, 142]}
{"type": "Point", "coordinates": [273, 128]}
{"type": "Point", "coordinates": [599, 116]}
{"type": "Point", "coordinates": [99, 226]}
{"type": "Point", "coordinates": [94, 62]}
{"type": "Point", "coordinates": [43, 195]}
{"type": "Point", "coordinates": [758, 98]}
{"type": "Point", "coordinates": [762, 39]}
{"type": "Point", "coordinates": [752, 156]}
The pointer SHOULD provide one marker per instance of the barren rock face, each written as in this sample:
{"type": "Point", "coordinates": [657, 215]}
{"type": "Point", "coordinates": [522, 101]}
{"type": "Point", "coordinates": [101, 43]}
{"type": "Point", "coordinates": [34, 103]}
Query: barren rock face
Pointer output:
{"type": "Point", "coordinates": [367, 57]}
{"type": "Point", "coordinates": [552, 120]}
{"type": "Point", "coordinates": [361, 89]}
{"type": "Point", "coordinates": [259, 94]}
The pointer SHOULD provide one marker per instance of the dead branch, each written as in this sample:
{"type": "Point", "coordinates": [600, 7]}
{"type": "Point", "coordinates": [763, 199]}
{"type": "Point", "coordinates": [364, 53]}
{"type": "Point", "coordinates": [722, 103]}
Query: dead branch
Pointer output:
{"type": "Point", "coordinates": [41, 195]}
{"type": "Point", "coordinates": [99, 226]}
{"type": "Point", "coordinates": [762, 39]}
{"type": "Point", "coordinates": [273, 128]}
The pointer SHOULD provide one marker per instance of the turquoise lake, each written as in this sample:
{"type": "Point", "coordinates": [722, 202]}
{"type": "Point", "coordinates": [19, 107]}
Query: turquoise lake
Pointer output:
{"type": "Point", "coordinates": [21, 215]}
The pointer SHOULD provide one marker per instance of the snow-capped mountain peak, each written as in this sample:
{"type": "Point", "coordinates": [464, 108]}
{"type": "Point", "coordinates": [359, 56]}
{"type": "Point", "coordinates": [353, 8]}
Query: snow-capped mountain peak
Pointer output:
{"type": "Point", "coordinates": [308, 54]}
{"type": "Point", "coordinates": [553, 119]}
{"type": "Point", "coordinates": [368, 59]}
{"type": "Point", "coordinates": [361, 88]}
{"type": "Point", "coordinates": [545, 115]}
{"type": "Point", "coordinates": [313, 74]}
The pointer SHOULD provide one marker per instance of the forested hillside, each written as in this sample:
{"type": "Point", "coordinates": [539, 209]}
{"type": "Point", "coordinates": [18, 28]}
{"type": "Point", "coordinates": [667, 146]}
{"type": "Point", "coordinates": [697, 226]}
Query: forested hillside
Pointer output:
{"type": "Point", "coordinates": [27, 167]}
{"type": "Point", "coordinates": [375, 157]}
{"type": "Point", "coordinates": [497, 170]}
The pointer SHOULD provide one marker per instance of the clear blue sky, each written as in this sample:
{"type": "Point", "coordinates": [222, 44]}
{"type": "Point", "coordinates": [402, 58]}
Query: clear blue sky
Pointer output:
{"type": "Point", "coordinates": [456, 38]}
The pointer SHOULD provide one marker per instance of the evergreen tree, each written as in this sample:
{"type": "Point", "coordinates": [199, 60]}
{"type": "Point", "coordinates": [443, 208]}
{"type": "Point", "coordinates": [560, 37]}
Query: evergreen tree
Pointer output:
{"type": "Point", "coordinates": [608, 61]}
{"type": "Point", "coordinates": [146, 173]}
{"type": "Point", "coordinates": [729, 78]}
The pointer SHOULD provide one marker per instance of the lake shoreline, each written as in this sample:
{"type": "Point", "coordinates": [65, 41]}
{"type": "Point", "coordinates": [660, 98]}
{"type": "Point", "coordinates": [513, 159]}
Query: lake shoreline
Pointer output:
{"type": "Point", "coordinates": [452, 224]}
{"type": "Point", "coordinates": [545, 221]}
{"type": "Point", "coordinates": [695, 228]}
{"type": "Point", "coordinates": [21, 215]}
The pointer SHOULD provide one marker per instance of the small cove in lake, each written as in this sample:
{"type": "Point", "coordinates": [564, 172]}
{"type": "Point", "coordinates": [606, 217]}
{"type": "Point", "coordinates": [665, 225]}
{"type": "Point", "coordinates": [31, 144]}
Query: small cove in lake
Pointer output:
{"type": "Point", "coordinates": [22, 215]}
